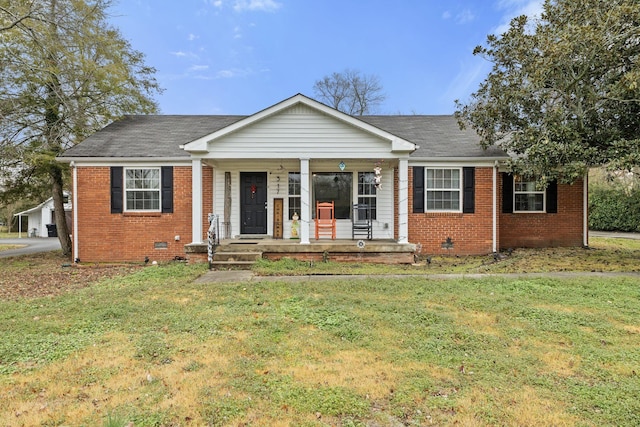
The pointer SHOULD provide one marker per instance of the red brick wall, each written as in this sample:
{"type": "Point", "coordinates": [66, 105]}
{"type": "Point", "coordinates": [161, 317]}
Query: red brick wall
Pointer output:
{"type": "Point", "coordinates": [471, 234]}
{"type": "Point", "coordinates": [534, 230]}
{"type": "Point", "coordinates": [103, 236]}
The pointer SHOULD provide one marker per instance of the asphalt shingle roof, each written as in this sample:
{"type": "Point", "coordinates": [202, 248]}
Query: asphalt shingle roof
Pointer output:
{"type": "Point", "coordinates": [436, 136]}
{"type": "Point", "coordinates": [149, 136]}
{"type": "Point", "coordinates": [161, 136]}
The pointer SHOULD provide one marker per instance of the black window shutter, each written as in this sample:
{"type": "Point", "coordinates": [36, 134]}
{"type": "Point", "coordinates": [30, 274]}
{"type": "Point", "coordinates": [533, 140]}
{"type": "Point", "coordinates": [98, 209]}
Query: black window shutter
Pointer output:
{"type": "Point", "coordinates": [469, 190]}
{"type": "Point", "coordinates": [117, 189]}
{"type": "Point", "coordinates": [507, 193]}
{"type": "Point", "coordinates": [167, 189]}
{"type": "Point", "coordinates": [552, 197]}
{"type": "Point", "coordinates": [418, 189]}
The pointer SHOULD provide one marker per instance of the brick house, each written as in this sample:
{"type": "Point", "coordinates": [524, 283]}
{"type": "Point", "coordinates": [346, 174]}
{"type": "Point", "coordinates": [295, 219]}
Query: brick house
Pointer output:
{"type": "Point", "coordinates": [143, 186]}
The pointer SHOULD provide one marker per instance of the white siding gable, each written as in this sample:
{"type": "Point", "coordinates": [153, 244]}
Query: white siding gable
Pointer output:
{"type": "Point", "coordinates": [299, 131]}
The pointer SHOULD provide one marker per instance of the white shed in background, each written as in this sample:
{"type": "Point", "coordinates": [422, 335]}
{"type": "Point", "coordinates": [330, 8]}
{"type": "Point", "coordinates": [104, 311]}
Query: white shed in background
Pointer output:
{"type": "Point", "coordinates": [41, 219]}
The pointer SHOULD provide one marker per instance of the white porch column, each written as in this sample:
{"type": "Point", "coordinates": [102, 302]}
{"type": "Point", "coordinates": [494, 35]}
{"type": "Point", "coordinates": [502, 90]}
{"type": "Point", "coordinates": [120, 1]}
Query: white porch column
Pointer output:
{"type": "Point", "coordinates": [196, 200]}
{"type": "Point", "coordinates": [305, 202]}
{"type": "Point", "coordinates": [403, 201]}
{"type": "Point", "coordinates": [74, 207]}
{"type": "Point", "coordinates": [585, 210]}
{"type": "Point", "coordinates": [494, 209]}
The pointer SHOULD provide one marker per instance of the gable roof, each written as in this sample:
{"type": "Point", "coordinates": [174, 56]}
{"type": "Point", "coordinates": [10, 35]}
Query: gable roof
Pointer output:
{"type": "Point", "coordinates": [174, 136]}
{"type": "Point", "coordinates": [397, 143]}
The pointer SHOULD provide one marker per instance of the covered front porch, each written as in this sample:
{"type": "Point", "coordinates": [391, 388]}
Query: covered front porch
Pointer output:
{"type": "Point", "coordinates": [277, 199]}
{"type": "Point", "coordinates": [264, 174]}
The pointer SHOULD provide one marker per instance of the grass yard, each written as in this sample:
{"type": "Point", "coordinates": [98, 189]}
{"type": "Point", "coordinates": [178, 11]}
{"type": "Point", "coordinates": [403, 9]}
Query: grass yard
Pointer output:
{"type": "Point", "coordinates": [151, 348]}
{"type": "Point", "coordinates": [603, 255]}
{"type": "Point", "coordinates": [5, 234]}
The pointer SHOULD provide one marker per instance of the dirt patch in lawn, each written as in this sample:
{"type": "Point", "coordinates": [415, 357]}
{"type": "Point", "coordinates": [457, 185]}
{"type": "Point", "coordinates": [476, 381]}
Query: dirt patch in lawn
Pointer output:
{"type": "Point", "coordinates": [49, 274]}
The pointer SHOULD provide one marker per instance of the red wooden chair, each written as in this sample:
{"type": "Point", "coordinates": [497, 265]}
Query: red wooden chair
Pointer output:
{"type": "Point", "coordinates": [325, 219]}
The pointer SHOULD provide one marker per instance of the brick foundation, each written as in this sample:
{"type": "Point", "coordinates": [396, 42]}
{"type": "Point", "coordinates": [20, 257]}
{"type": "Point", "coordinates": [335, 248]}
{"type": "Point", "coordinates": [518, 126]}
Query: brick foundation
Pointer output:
{"type": "Point", "coordinates": [367, 257]}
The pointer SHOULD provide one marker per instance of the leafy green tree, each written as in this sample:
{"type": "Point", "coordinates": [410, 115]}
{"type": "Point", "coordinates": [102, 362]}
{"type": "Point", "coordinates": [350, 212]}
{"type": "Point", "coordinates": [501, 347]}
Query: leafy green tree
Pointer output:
{"type": "Point", "coordinates": [65, 74]}
{"type": "Point", "coordinates": [564, 91]}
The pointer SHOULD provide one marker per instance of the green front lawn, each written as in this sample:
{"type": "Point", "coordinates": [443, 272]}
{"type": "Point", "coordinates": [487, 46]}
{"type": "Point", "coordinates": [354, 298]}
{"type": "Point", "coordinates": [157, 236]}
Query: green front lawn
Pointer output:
{"type": "Point", "coordinates": [154, 349]}
{"type": "Point", "coordinates": [603, 255]}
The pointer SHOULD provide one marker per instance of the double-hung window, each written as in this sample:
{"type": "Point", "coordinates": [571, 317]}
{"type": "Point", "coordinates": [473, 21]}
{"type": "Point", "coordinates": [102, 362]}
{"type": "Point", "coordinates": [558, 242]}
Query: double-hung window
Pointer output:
{"type": "Point", "coordinates": [142, 189]}
{"type": "Point", "coordinates": [367, 191]}
{"type": "Point", "coordinates": [526, 197]}
{"type": "Point", "coordinates": [294, 193]}
{"type": "Point", "coordinates": [443, 189]}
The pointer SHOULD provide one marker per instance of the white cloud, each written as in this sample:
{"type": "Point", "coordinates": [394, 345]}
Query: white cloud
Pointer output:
{"type": "Point", "coordinates": [199, 67]}
{"type": "Point", "coordinates": [247, 5]}
{"type": "Point", "coordinates": [225, 74]}
{"type": "Point", "coordinates": [256, 5]}
{"type": "Point", "coordinates": [233, 72]}
{"type": "Point", "coordinates": [512, 8]}
{"type": "Point", "coordinates": [229, 73]}
{"type": "Point", "coordinates": [182, 54]}
{"type": "Point", "coordinates": [465, 16]}
{"type": "Point", "coordinates": [218, 75]}
{"type": "Point", "coordinates": [191, 37]}
{"type": "Point", "coordinates": [470, 74]}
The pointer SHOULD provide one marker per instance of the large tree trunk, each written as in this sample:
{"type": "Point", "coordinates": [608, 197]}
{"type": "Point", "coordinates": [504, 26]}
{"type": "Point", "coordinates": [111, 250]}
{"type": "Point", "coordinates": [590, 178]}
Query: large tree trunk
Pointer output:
{"type": "Point", "coordinates": [60, 216]}
{"type": "Point", "coordinates": [53, 124]}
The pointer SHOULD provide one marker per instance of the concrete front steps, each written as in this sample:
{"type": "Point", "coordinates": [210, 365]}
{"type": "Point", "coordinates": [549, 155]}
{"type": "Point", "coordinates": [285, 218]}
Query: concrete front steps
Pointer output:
{"type": "Point", "coordinates": [228, 258]}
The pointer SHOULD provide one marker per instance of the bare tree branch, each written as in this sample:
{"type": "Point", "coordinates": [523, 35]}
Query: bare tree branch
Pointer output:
{"type": "Point", "coordinates": [350, 92]}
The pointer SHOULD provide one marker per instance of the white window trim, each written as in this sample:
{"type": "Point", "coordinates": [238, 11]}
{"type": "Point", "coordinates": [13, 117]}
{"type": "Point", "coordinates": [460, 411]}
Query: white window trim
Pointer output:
{"type": "Point", "coordinates": [356, 190]}
{"type": "Point", "coordinates": [426, 189]}
{"type": "Point", "coordinates": [297, 196]}
{"type": "Point", "coordinates": [544, 199]}
{"type": "Point", "coordinates": [126, 190]}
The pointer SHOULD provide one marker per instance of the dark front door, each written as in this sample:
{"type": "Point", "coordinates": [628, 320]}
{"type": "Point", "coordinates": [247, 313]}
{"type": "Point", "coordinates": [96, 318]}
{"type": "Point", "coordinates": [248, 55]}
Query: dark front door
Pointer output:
{"type": "Point", "coordinates": [253, 202]}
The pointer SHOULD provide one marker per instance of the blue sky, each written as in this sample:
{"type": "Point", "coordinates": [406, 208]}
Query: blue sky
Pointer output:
{"type": "Point", "coordinates": [241, 56]}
